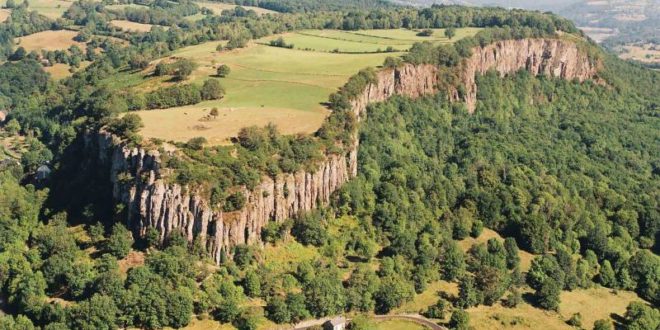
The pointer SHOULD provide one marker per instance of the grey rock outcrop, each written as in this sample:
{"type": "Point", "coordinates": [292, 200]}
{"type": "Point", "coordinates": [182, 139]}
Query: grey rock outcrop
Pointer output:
{"type": "Point", "coordinates": [555, 58]}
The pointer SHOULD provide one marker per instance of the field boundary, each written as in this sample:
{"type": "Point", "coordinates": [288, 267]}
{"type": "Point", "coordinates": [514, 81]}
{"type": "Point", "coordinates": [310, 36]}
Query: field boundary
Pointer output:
{"type": "Point", "coordinates": [288, 72]}
{"type": "Point", "coordinates": [360, 42]}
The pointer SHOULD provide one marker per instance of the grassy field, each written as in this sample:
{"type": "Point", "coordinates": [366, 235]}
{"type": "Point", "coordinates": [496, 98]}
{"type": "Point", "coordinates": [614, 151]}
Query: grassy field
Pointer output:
{"type": "Point", "coordinates": [526, 316]}
{"type": "Point", "coordinates": [49, 40]}
{"type": "Point", "coordinates": [427, 298]}
{"type": "Point", "coordinates": [648, 53]}
{"type": "Point", "coordinates": [411, 35]}
{"type": "Point", "coordinates": [267, 84]}
{"type": "Point", "coordinates": [362, 41]}
{"type": "Point", "coordinates": [50, 8]}
{"type": "Point", "coordinates": [132, 26]}
{"type": "Point", "coordinates": [11, 146]}
{"type": "Point", "coordinates": [218, 7]}
{"type": "Point", "coordinates": [397, 325]}
{"type": "Point", "coordinates": [466, 244]}
{"type": "Point", "coordinates": [4, 14]}
{"type": "Point", "coordinates": [607, 302]}
{"type": "Point", "coordinates": [285, 256]}
{"type": "Point", "coordinates": [130, 5]}
{"type": "Point", "coordinates": [60, 71]}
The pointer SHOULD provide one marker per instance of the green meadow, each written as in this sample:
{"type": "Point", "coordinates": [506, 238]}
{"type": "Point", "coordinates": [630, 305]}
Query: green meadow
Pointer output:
{"type": "Point", "coordinates": [287, 87]}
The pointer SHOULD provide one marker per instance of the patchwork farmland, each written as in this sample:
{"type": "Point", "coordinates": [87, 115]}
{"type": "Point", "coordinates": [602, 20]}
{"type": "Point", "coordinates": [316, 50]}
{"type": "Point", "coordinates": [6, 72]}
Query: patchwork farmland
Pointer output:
{"type": "Point", "coordinates": [320, 62]}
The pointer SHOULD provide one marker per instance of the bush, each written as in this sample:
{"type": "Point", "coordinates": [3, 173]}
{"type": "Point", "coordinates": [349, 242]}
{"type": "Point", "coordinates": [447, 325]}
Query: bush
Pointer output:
{"type": "Point", "coordinates": [126, 126]}
{"type": "Point", "coordinates": [223, 71]}
{"type": "Point", "coordinates": [279, 42]}
{"type": "Point", "coordinates": [603, 325]}
{"type": "Point", "coordinates": [437, 311]}
{"type": "Point", "coordinates": [196, 143]}
{"type": "Point", "coordinates": [460, 320]}
{"type": "Point", "coordinates": [425, 33]}
{"type": "Point", "coordinates": [234, 202]}
{"type": "Point", "coordinates": [513, 299]}
{"type": "Point", "coordinates": [575, 320]}
{"type": "Point", "coordinates": [212, 90]}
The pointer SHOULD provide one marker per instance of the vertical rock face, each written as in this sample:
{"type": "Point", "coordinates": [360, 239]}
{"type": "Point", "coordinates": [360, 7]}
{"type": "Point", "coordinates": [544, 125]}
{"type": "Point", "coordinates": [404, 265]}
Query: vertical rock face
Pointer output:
{"type": "Point", "coordinates": [152, 202]}
{"type": "Point", "coordinates": [550, 57]}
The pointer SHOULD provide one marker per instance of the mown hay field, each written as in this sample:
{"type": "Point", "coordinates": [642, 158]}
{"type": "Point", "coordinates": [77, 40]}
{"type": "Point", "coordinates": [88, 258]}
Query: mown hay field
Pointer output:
{"type": "Point", "coordinates": [49, 40]}
{"type": "Point", "coordinates": [129, 26]}
{"type": "Point", "coordinates": [49, 8]}
{"type": "Point", "coordinates": [4, 14]}
{"type": "Point", "coordinates": [60, 71]}
{"type": "Point", "coordinates": [287, 87]}
{"type": "Point", "coordinates": [266, 84]}
{"type": "Point", "coordinates": [218, 7]}
{"type": "Point", "coordinates": [363, 41]}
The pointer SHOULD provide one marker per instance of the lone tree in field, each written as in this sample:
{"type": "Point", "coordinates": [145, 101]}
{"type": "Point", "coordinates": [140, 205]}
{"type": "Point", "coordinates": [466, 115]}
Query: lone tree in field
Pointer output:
{"type": "Point", "coordinates": [223, 71]}
{"type": "Point", "coordinates": [450, 32]}
{"type": "Point", "coordinates": [214, 112]}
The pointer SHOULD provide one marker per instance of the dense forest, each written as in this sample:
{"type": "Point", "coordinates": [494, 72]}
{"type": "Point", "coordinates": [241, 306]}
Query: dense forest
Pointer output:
{"type": "Point", "coordinates": [566, 171]}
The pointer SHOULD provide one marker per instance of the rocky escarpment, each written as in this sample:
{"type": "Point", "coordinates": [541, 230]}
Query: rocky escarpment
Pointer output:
{"type": "Point", "coordinates": [153, 202]}
{"type": "Point", "coordinates": [550, 57]}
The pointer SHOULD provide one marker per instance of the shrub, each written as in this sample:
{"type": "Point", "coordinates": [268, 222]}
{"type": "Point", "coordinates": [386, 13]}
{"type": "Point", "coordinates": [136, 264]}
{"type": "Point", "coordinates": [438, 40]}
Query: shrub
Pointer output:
{"type": "Point", "coordinates": [279, 42]}
{"type": "Point", "coordinates": [425, 33]}
{"type": "Point", "coordinates": [223, 71]}
{"type": "Point", "coordinates": [234, 202]}
{"type": "Point", "coordinates": [575, 320]}
{"type": "Point", "coordinates": [459, 320]}
{"type": "Point", "coordinates": [196, 143]}
{"type": "Point", "coordinates": [212, 90]}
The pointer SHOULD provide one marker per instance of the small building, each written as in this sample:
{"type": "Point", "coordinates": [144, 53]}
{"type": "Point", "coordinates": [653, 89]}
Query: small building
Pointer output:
{"type": "Point", "coordinates": [337, 323]}
{"type": "Point", "coordinates": [43, 173]}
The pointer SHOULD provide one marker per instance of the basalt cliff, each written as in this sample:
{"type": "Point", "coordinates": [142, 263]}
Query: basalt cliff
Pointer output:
{"type": "Point", "coordinates": [152, 201]}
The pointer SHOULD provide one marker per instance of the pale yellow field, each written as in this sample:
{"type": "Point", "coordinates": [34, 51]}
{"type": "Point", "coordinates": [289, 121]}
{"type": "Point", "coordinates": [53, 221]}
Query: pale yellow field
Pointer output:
{"type": "Point", "coordinates": [398, 325]}
{"type": "Point", "coordinates": [49, 8]}
{"type": "Point", "coordinates": [466, 244]}
{"type": "Point", "coordinates": [61, 71]}
{"type": "Point", "coordinates": [4, 14]}
{"type": "Point", "coordinates": [643, 53]}
{"type": "Point", "coordinates": [267, 84]}
{"type": "Point", "coordinates": [49, 40]}
{"type": "Point", "coordinates": [132, 26]}
{"type": "Point", "coordinates": [288, 87]}
{"type": "Point", "coordinates": [427, 298]}
{"type": "Point", "coordinates": [183, 123]}
{"type": "Point", "coordinates": [593, 304]}
{"type": "Point", "coordinates": [218, 7]}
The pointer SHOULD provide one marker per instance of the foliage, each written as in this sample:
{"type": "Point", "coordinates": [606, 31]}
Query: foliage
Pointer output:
{"type": "Point", "coordinates": [640, 316]}
{"type": "Point", "coordinates": [223, 71]}
{"type": "Point", "coordinates": [119, 242]}
{"type": "Point", "coordinates": [460, 320]}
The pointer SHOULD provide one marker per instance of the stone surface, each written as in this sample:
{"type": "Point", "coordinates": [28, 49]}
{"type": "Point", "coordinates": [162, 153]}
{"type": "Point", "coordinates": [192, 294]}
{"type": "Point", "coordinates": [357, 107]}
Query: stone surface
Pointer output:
{"type": "Point", "coordinates": [550, 57]}
{"type": "Point", "coordinates": [153, 202]}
